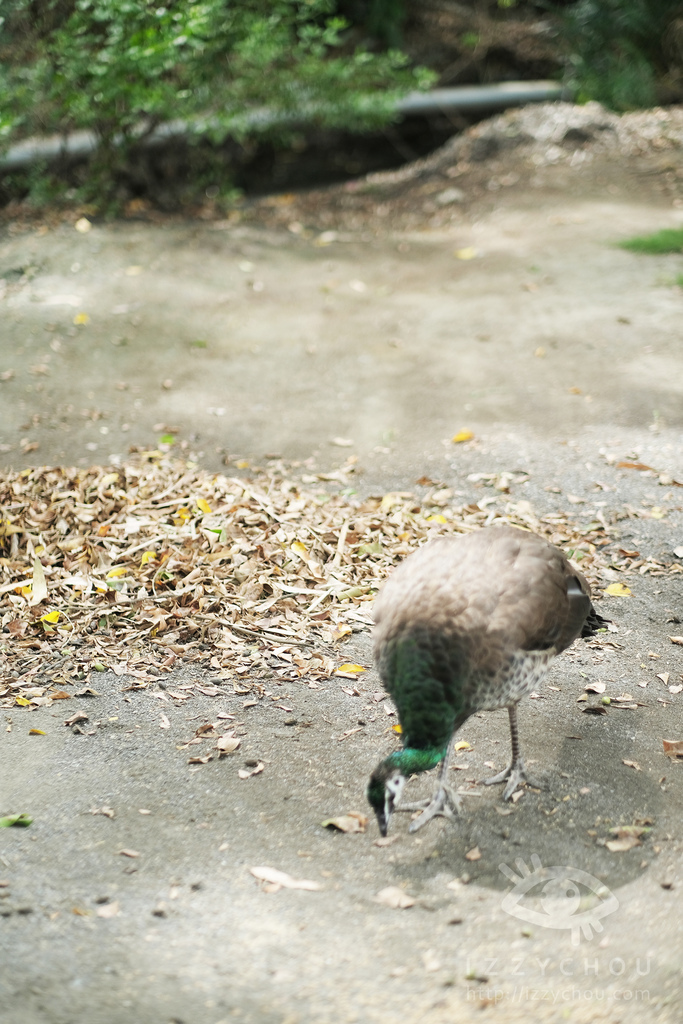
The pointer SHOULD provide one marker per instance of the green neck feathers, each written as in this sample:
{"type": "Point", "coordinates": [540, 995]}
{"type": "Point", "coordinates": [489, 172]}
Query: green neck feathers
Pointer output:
{"type": "Point", "coordinates": [411, 761]}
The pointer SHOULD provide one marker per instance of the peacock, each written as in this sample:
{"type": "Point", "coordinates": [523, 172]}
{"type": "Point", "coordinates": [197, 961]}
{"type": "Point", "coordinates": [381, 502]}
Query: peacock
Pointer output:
{"type": "Point", "coordinates": [466, 624]}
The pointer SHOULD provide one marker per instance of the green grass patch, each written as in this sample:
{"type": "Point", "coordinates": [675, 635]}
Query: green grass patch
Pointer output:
{"type": "Point", "coordinates": [667, 240]}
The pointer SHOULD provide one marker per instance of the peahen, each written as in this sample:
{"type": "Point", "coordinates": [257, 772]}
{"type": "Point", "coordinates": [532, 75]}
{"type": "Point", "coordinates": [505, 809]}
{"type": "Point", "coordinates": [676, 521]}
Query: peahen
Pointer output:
{"type": "Point", "coordinates": [468, 624]}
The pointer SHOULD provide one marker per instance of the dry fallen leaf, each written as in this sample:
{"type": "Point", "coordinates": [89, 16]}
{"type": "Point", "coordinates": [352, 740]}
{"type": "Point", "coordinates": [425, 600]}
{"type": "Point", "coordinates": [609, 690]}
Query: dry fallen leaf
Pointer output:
{"type": "Point", "coordinates": [245, 773]}
{"type": "Point", "coordinates": [395, 898]}
{"type": "Point", "coordinates": [350, 822]}
{"type": "Point", "coordinates": [163, 519]}
{"type": "Point", "coordinates": [632, 764]}
{"type": "Point", "coordinates": [129, 853]}
{"type": "Point", "coordinates": [79, 716]}
{"type": "Point", "coordinates": [109, 909]}
{"type": "Point", "coordinates": [385, 841]}
{"type": "Point", "coordinates": [673, 749]}
{"type": "Point", "coordinates": [473, 854]}
{"type": "Point", "coordinates": [634, 465]}
{"type": "Point", "coordinates": [106, 811]}
{"type": "Point", "coordinates": [623, 844]}
{"type": "Point", "coordinates": [431, 961]}
{"type": "Point", "coordinates": [664, 676]}
{"type": "Point", "coordinates": [595, 687]}
{"type": "Point", "coordinates": [280, 880]}
{"type": "Point", "coordinates": [226, 744]}
{"type": "Point", "coordinates": [676, 640]}
{"type": "Point", "coordinates": [39, 586]}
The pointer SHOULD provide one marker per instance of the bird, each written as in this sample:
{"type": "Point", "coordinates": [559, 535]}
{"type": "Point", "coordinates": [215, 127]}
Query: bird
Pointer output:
{"type": "Point", "coordinates": [469, 623]}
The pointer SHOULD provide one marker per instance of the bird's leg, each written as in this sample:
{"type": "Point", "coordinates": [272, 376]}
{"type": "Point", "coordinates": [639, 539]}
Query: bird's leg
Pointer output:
{"type": "Point", "coordinates": [445, 801]}
{"type": "Point", "coordinates": [515, 773]}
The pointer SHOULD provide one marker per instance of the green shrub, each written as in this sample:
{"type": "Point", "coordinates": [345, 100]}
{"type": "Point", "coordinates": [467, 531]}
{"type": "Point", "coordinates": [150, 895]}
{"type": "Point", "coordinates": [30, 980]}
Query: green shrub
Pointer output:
{"type": "Point", "coordinates": [120, 68]}
{"type": "Point", "coordinates": [624, 51]}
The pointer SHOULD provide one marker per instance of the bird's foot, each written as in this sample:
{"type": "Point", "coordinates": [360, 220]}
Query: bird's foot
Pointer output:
{"type": "Point", "coordinates": [444, 802]}
{"type": "Point", "coordinates": [419, 805]}
{"type": "Point", "coordinates": [516, 774]}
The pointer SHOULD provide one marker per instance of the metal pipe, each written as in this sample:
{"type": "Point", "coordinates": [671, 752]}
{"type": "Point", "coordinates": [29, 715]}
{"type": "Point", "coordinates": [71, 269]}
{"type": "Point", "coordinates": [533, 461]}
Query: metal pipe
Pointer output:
{"type": "Point", "coordinates": [467, 97]}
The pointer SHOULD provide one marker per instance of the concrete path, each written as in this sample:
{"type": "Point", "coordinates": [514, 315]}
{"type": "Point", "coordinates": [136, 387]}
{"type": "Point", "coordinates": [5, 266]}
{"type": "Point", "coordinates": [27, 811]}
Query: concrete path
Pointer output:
{"type": "Point", "coordinates": [563, 355]}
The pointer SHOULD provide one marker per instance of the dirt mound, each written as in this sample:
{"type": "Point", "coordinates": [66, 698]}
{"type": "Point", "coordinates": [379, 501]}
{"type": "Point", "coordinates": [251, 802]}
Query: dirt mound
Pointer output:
{"type": "Point", "coordinates": [542, 145]}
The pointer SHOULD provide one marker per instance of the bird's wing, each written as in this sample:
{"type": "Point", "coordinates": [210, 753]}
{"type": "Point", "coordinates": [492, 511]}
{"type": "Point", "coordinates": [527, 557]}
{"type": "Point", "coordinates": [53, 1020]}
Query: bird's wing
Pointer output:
{"type": "Point", "coordinates": [499, 588]}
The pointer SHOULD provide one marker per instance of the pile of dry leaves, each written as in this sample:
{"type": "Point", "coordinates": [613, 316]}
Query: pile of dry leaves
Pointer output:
{"type": "Point", "coordinates": [131, 568]}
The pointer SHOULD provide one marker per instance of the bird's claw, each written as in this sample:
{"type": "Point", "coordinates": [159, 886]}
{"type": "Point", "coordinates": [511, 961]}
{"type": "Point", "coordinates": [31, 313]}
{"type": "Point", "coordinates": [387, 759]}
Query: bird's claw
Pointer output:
{"type": "Point", "coordinates": [444, 802]}
{"type": "Point", "coordinates": [516, 774]}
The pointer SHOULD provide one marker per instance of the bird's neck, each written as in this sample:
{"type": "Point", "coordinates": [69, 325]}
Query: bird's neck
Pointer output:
{"type": "Point", "coordinates": [411, 761]}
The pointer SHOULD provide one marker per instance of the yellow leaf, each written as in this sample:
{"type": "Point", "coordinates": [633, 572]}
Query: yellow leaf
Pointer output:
{"type": "Point", "coordinates": [390, 500]}
{"type": "Point", "coordinates": [657, 513]}
{"type": "Point", "coordinates": [81, 319]}
{"type": "Point", "coordinates": [37, 732]}
{"type": "Point", "coordinates": [397, 729]}
{"type": "Point", "coordinates": [467, 253]}
{"type": "Point", "coordinates": [121, 571]}
{"type": "Point", "coordinates": [300, 549]}
{"type": "Point", "coordinates": [349, 667]}
{"type": "Point", "coordinates": [184, 513]}
{"type": "Point", "coordinates": [618, 590]}
{"type": "Point", "coordinates": [462, 745]}
{"type": "Point", "coordinates": [242, 464]}
{"type": "Point", "coordinates": [436, 519]}
{"type": "Point", "coordinates": [462, 435]}
{"type": "Point", "coordinates": [50, 617]}
{"type": "Point", "coordinates": [148, 556]}
{"type": "Point", "coordinates": [203, 506]}
{"type": "Point", "coordinates": [22, 701]}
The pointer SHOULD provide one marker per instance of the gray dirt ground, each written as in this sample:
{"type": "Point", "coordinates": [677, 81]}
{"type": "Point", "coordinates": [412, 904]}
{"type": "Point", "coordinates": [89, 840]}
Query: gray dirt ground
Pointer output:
{"type": "Point", "coordinates": [389, 340]}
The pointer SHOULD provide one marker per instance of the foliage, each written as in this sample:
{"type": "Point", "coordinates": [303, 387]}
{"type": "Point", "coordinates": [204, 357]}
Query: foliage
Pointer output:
{"type": "Point", "coordinates": [624, 50]}
{"type": "Point", "coordinates": [120, 68]}
{"type": "Point", "coordinates": [666, 241]}
{"type": "Point", "coordinates": [383, 19]}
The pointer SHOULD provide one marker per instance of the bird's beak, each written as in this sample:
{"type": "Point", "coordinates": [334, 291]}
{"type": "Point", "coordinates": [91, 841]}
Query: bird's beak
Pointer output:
{"type": "Point", "coordinates": [383, 815]}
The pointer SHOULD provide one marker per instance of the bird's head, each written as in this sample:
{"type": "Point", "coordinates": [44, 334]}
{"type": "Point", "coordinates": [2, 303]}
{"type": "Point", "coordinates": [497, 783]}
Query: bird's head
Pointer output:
{"type": "Point", "coordinates": [384, 791]}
